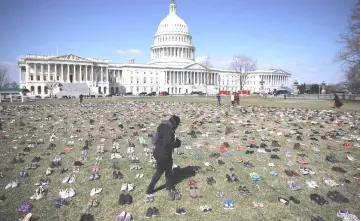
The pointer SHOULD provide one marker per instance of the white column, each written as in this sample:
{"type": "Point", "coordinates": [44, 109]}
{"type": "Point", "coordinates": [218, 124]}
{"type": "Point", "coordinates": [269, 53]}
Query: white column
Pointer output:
{"type": "Point", "coordinates": [35, 78]}
{"type": "Point", "coordinates": [107, 75]}
{"type": "Point", "coordinates": [61, 72]}
{"type": "Point", "coordinates": [27, 75]}
{"type": "Point", "coordinates": [101, 74]}
{"type": "Point", "coordinates": [42, 72]}
{"type": "Point", "coordinates": [20, 76]}
{"type": "Point", "coordinates": [68, 74]}
{"type": "Point", "coordinates": [48, 78]}
{"type": "Point", "coordinates": [92, 74]}
{"type": "Point", "coordinates": [80, 74]}
{"type": "Point", "coordinates": [86, 73]}
{"type": "Point", "coordinates": [56, 73]}
{"type": "Point", "coordinates": [74, 74]}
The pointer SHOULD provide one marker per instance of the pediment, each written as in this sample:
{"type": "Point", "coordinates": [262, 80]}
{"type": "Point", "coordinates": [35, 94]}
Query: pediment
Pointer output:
{"type": "Point", "coordinates": [69, 57]}
{"type": "Point", "coordinates": [195, 66]}
{"type": "Point", "coordinates": [279, 71]}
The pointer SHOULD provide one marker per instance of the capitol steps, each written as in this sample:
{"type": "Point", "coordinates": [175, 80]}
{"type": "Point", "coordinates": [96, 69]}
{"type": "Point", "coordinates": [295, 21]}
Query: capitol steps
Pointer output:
{"type": "Point", "coordinates": [73, 89]}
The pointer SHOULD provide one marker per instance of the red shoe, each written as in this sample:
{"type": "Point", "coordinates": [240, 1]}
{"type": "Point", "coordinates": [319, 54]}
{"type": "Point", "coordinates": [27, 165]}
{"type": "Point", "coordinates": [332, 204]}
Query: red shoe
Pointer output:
{"type": "Point", "coordinates": [357, 176]}
{"type": "Point", "coordinates": [10, 150]}
{"type": "Point", "coordinates": [223, 149]}
{"type": "Point", "coordinates": [347, 146]}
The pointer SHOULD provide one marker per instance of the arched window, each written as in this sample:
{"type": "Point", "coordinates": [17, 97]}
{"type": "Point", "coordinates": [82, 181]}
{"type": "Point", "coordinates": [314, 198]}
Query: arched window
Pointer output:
{"type": "Point", "coordinates": [137, 80]}
{"type": "Point", "coordinates": [145, 80]}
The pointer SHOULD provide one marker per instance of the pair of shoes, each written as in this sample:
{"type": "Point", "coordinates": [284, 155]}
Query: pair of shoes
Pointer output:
{"type": "Point", "coordinates": [67, 193]}
{"type": "Point", "coordinates": [12, 184]}
{"type": "Point", "coordinates": [228, 204]}
{"type": "Point", "coordinates": [93, 203]}
{"type": "Point", "coordinates": [180, 211]}
{"type": "Point", "coordinates": [127, 187]}
{"type": "Point", "coordinates": [152, 212]}
{"type": "Point", "coordinates": [68, 179]}
{"type": "Point", "coordinates": [117, 175]}
{"type": "Point", "coordinates": [124, 217]}
{"type": "Point", "coordinates": [149, 198]}
{"type": "Point", "coordinates": [194, 192]}
{"type": "Point", "coordinates": [125, 199]}
{"type": "Point", "coordinates": [95, 191]}
{"type": "Point", "coordinates": [174, 195]}
{"type": "Point", "coordinates": [94, 176]}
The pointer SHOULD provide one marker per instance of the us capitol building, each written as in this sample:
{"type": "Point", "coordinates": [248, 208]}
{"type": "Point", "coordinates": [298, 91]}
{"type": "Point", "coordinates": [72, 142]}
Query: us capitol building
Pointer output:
{"type": "Point", "coordinates": [172, 68]}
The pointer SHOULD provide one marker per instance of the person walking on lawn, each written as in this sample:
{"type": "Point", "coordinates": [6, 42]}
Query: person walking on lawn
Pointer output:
{"type": "Point", "coordinates": [219, 99]}
{"type": "Point", "coordinates": [165, 141]}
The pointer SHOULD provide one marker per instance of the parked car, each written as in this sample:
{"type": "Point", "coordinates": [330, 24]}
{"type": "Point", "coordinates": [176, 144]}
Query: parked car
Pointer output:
{"type": "Point", "coordinates": [129, 93]}
{"type": "Point", "coordinates": [142, 93]}
{"type": "Point", "coordinates": [152, 93]}
{"type": "Point", "coordinates": [164, 93]}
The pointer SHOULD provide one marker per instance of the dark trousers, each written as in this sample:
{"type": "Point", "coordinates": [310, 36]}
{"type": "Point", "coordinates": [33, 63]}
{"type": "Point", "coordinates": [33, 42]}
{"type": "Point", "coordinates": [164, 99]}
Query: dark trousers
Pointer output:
{"type": "Point", "coordinates": [163, 166]}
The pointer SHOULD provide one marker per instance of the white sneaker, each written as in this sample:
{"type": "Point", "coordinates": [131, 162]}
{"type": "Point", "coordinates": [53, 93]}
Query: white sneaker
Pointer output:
{"type": "Point", "coordinates": [98, 190]}
{"type": "Point", "coordinates": [124, 187]}
{"type": "Point", "coordinates": [310, 184]}
{"type": "Point", "coordinates": [66, 179]}
{"type": "Point", "coordinates": [117, 155]}
{"type": "Point", "coordinates": [63, 194]}
{"type": "Point", "coordinates": [48, 172]}
{"type": "Point", "coordinates": [9, 185]}
{"type": "Point", "coordinates": [71, 192]}
{"type": "Point", "coordinates": [14, 184]}
{"type": "Point", "coordinates": [72, 179]}
{"type": "Point", "coordinates": [39, 196]}
{"type": "Point", "coordinates": [33, 197]}
{"type": "Point", "coordinates": [92, 192]}
{"type": "Point", "coordinates": [130, 187]}
{"type": "Point", "coordinates": [137, 176]}
{"type": "Point", "coordinates": [350, 158]}
{"type": "Point", "coordinates": [141, 175]}
{"type": "Point", "coordinates": [128, 150]}
{"type": "Point", "coordinates": [314, 183]}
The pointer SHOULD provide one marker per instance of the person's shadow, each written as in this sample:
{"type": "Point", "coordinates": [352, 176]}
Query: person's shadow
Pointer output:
{"type": "Point", "coordinates": [181, 174]}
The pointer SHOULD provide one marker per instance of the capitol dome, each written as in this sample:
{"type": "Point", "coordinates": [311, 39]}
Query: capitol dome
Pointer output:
{"type": "Point", "coordinates": [172, 41]}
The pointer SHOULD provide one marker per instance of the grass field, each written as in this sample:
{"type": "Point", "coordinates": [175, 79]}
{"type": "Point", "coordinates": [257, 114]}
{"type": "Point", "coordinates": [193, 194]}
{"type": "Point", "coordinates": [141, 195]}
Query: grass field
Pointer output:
{"type": "Point", "coordinates": [265, 123]}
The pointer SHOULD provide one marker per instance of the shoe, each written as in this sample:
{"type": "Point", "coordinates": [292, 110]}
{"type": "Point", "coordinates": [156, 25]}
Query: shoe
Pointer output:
{"type": "Point", "coordinates": [14, 184]}
{"type": "Point", "coordinates": [65, 179]}
{"type": "Point", "coordinates": [122, 200]}
{"type": "Point", "coordinates": [120, 175]}
{"type": "Point", "coordinates": [128, 199]}
{"type": "Point", "coordinates": [121, 216]}
{"type": "Point", "coordinates": [128, 217]}
{"type": "Point", "coordinates": [92, 192]}
{"type": "Point", "coordinates": [155, 211]}
{"type": "Point", "coordinates": [124, 187]}
{"type": "Point", "coordinates": [72, 179]}
{"type": "Point", "coordinates": [149, 213]}
{"type": "Point", "coordinates": [9, 185]}
{"type": "Point", "coordinates": [115, 175]}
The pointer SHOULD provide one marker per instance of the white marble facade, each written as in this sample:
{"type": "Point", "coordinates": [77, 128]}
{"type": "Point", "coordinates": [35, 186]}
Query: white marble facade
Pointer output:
{"type": "Point", "coordinates": [172, 68]}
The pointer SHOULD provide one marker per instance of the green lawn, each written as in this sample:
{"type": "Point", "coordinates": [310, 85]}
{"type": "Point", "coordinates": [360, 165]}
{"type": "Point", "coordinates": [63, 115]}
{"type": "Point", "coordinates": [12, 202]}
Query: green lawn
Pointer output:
{"type": "Point", "coordinates": [262, 190]}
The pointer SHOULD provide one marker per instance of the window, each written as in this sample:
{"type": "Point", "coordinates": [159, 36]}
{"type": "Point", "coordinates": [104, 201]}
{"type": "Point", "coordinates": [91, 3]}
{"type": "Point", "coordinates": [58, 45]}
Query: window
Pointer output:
{"type": "Point", "coordinates": [31, 77]}
{"type": "Point", "coordinates": [137, 89]}
{"type": "Point", "coordinates": [57, 77]}
{"type": "Point", "coordinates": [38, 78]}
{"type": "Point", "coordinates": [144, 80]}
{"type": "Point", "coordinates": [156, 80]}
{"type": "Point", "coordinates": [151, 80]}
{"type": "Point", "coordinates": [131, 80]}
{"type": "Point", "coordinates": [51, 77]}
{"type": "Point", "coordinates": [137, 80]}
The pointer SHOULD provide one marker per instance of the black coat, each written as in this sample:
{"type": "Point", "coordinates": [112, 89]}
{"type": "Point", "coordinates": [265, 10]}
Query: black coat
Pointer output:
{"type": "Point", "coordinates": [338, 103]}
{"type": "Point", "coordinates": [166, 142]}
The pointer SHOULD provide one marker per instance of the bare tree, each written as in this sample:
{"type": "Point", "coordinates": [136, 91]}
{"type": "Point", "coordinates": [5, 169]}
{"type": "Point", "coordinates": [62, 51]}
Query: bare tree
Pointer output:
{"type": "Point", "coordinates": [349, 57]}
{"type": "Point", "coordinates": [207, 64]}
{"type": "Point", "coordinates": [242, 65]}
{"type": "Point", "coordinates": [4, 76]}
